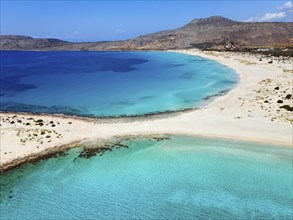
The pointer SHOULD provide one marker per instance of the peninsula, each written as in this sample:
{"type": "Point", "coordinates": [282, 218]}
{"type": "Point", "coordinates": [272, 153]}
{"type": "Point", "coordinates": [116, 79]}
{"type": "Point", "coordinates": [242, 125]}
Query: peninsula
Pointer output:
{"type": "Point", "coordinates": [258, 109]}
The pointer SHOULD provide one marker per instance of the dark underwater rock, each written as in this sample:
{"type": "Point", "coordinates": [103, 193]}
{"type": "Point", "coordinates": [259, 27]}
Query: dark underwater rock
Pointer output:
{"type": "Point", "coordinates": [89, 152]}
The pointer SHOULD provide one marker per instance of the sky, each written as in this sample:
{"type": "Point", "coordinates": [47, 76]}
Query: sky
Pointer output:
{"type": "Point", "coordinates": [90, 20]}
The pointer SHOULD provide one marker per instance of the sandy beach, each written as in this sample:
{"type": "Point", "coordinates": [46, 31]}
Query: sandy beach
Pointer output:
{"type": "Point", "coordinates": [256, 110]}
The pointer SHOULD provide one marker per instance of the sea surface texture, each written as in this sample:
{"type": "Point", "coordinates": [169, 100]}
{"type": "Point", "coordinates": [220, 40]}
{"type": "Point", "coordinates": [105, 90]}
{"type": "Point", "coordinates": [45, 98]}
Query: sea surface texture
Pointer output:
{"type": "Point", "coordinates": [179, 178]}
{"type": "Point", "coordinates": [109, 83]}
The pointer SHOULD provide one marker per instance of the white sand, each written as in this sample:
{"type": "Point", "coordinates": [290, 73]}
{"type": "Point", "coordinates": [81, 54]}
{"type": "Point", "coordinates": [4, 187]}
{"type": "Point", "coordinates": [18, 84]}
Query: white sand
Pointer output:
{"type": "Point", "coordinates": [241, 114]}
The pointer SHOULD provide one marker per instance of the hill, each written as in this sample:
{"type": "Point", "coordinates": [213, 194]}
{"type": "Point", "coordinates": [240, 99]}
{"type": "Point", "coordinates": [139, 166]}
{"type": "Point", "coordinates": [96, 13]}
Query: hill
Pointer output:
{"type": "Point", "coordinates": [216, 32]}
{"type": "Point", "coordinates": [16, 42]}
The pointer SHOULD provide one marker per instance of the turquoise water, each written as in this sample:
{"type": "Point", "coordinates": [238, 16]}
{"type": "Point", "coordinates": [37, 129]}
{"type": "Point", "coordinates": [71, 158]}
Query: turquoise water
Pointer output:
{"type": "Point", "coordinates": [181, 178]}
{"type": "Point", "coordinates": [108, 83]}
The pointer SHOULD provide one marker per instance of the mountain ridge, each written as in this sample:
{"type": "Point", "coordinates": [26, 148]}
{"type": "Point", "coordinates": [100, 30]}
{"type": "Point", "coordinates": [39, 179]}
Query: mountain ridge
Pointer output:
{"type": "Point", "coordinates": [213, 33]}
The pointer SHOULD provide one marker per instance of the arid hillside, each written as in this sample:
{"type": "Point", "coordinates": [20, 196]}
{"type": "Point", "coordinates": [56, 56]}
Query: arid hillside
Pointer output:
{"type": "Point", "coordinates": [217, 33]}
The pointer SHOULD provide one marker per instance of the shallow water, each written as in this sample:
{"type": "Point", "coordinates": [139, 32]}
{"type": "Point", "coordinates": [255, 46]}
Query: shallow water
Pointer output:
{"type": "Point", "coordinates": [181, 178]}
{"type": "Point", "coordinates": [109, 83]}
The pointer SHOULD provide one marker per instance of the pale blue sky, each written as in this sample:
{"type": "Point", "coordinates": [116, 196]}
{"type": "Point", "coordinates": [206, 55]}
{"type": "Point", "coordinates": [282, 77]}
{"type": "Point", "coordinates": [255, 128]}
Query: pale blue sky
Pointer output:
{"type": "Point", "coordinates": [114, 20]}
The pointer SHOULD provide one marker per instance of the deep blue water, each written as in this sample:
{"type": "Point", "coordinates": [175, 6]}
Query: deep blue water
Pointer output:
{"type": "Point", "coordinates": [109, 83]}
{"type": "Point", "coordinates": [181, 178]}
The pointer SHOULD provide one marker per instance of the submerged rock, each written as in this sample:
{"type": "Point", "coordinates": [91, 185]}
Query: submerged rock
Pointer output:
{"type": "Point", "coordinates": [119, 145]}
{"type": "Point", "coordinates": [89, 152]}
{"type": "Point", "coordinates": [161, 138]}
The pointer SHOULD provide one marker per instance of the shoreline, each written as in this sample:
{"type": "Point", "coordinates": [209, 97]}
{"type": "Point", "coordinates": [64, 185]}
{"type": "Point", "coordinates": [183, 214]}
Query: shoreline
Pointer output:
{"type": "Point", "coordinates": [93, 148]}
{"type": "Point", "coordinates": [59, 151]}
{"type": "Point", "coordinates": [112, 119]}
{"type": "Point", "coordinates": [36, 157]}
{"type": "Point", "coordinates": [230, 116]}
{"type": "Point", "coordinates": [125, 118]}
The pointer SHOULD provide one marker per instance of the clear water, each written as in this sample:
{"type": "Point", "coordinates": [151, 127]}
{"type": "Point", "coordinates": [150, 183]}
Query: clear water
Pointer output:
{"type": "Point", "coordinates": [108, 83]}
{"type": "Point", "coordinates": [181, 178]}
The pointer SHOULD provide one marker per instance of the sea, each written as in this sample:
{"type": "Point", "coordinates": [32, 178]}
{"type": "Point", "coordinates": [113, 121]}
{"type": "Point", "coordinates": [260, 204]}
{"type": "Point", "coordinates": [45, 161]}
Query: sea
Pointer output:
{"type": "Point", "coordinates": [105, 84]}
{"type": "Point", "coordinates": [176, 178]}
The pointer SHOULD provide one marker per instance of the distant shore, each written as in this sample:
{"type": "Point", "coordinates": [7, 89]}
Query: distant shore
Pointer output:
{"type": "Point", "coordinates": [258, 110]}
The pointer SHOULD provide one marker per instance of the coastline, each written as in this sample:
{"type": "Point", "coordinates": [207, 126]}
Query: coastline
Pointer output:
{"type": "Point", "coordinates": [239, 114]}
